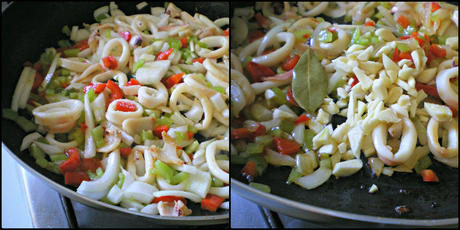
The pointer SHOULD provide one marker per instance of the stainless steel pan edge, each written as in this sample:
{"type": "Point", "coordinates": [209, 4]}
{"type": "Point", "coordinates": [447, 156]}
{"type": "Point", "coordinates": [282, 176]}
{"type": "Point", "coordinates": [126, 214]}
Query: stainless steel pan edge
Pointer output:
{"type": "Point", "coordinates": [327, 217]}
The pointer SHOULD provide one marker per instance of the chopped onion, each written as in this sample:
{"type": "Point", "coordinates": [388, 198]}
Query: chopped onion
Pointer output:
{"type": "Point", "coordinates": [27, 141]}
{"type": "Point", "coordinates": [19, 88]}
{"type": "Point", "coordinates": [315, 179]}
{"type": "Point", "coordinates": [191, 196]}
{"type": "Point", "coordinates": [278, 159]}
{"type": "Point", "coordinates": [50, 149]}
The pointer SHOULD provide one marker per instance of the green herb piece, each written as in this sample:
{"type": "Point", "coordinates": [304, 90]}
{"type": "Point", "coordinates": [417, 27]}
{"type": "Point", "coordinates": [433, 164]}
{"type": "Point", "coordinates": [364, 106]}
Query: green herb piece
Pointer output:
{"type": "Point", "coordinates": [261, 187]}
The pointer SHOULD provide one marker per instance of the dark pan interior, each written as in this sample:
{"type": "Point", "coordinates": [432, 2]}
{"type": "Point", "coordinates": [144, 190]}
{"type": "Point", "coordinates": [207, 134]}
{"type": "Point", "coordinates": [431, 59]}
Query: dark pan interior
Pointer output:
{"type": "Point", "coordinates": [427, 201]}
{"type": "Point", "coordinates": [29, 28]}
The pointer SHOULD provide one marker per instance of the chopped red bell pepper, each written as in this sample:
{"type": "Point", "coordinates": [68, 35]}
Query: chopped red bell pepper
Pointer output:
{"type": "Point", "coordinates": [110, 62]}
{"type": "Point", "coordinates": [240, 133]}
{"type": "Point", "coordinates": [258, 71]}
{"type": "Point", "coordinates": [249, 170]}
{"type": "Point", "coordinates": [254, 35]}
{"type": "Point", "coordinates": [434, 6]}
{"type": "Point", "coordinates": [369, 23]}
{"type": "Point", "coordinates": [227, 32]}
{"type": "Point", "coordinates": [190, 135]}
{"type": "Point", "coordinates": [174, 79]}
{"type": "Point", "coordinates": [132, 81]}
{"type": "Point", "coordinates": [260, 130]}
{"type": "Point", "coordinates": [72, 163]}
{"type": "Point", "coordinates": [355, 81]}
{"type": "Point", "coordinates": [403, 21]}
{"type": "Point", "coordinates": [125, 106]}
{"type": "Point", "coordinates": [90, 164]}
{"type": "Point", "coordinates": [159, 129]}
{"type": "Point", "coordinates": [422, 40]}
{"type": "Point", "coordinates": [38, 80]}
{"type": "Point", "coordinates": [430, 90]}
{"type": "Point", "coordinates": [302, 119]}
{"type": "Point", "coordinates": [404, 55]}
{"type": "Point", "coordinates": [200, 60]}
{"type": "Point", "coordinates": [211, 202]}
{"type": "Point", "coordinates": [124, 152]}
{"type": "Point", "coordinates": [116, 91]}
{"type": "Point", "coordinates": [290, 98]}
{"type": "Point", "coordinates": [261, 20]}
{"type": "Point", "coordinates": [290, 63]}
{"type": "Point", "coordinates": [125, 35]}
{"type": "Point", "coordinates": [76, 177]}
{"type": "Point", "coordinates": [183, 41]}
{"type": "Point", "coordinates": [169, 199]}
{"type": "Point", "coordinates": [429, 176]}
{"type": "Point", "coordinates": [437, 51]}
{"type": "Point", "coordinates": [286, 147]}
{"type": "Point", "coordinates": [98, 88]}
{"type": "Point", "coordinates": [164, 55]}
{"type": "Point", "coordinates": [81, 45]}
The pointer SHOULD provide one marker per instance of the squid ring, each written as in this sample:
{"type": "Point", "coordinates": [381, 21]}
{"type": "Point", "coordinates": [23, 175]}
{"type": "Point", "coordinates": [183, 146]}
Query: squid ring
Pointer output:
{"type": "Point", "coordinates": [433, 144]}
{"type": "Point", "coordinates": [57, 113]}
{"type": "Point", "coordinates": [117, 117]}
{"type": "Point", "coordinates": [151, 98]}
{"type": "Point", "coordinates": [103, 77]}
{"type": "Point", "coordinates": [205, 102]}
{"type": "Point", "coordinates": [211, 159]}
{"type": "Point", "coordinates": [408, 140]}
{"type": "Point", "coordinates": [447, 94]}
{"type": "Point", "coordinates": [148, 158]}
{"type": "Point", "coordinates": [272, 58]}
{"type": "Point", "coordinates": [214, 41]}
{"type": "Point", "coordinates": [335, 48]}
{"type": "Point", "coordinates": [125, 55]}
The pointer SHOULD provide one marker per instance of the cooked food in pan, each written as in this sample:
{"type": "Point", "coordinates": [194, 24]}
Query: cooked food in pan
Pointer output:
{"type": "Point", "coordinates": [133, 110]}
{"type": "Point", "coordinates": [316, 96]}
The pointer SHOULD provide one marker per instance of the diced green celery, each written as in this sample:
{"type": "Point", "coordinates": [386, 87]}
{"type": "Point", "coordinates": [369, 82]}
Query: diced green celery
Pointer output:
{"type": "Point", "coordinates": [98, 136]}
{"type": "Point", "coordinates": [58, 157]}
{"type": "Point", "coordinates": [163, 170]}
{"type": "Point", "coordinates": [200, 44]}
{"type": "Point", "coordinates": [276, 131]}
{"type": "Point", "coordinates": [374, 40]}
{"type": "Point", "coordinates": [146, 135]}
{"type": "Point", "coordinates": [254, 148]}
{"type": "Point", "coordinates": [261, 187]}
{"type": "Point", "coordinates": [325, 161]}
{"type": "Point", "coordinates": [9, 114]}
{"type": "Point", "coordinates": [302, 34]}
{"type": "Point", "coordinates": [42, 162]}
{"type": "Point", "coordinates": [101, 17]}
{"type": "Point", "coordinates": [64, 43]}
{"type": "Point", "coordinates": [36, 151]}
{"type": "Point", "coordinates": [385, 4]}
{"type": "Point", "coordinates": [66, 30]}
{"type": "Point", "coordinates": [121, 180]}
{"type": "Point", "coordinates": [293, 175]}
{"type": "Point", "coordinates": [108, 34]}
{"type": "Point", "coordinates": [216, 182]}
{"type": "Point", "coordinates": [355, 37]}
{"type": "Point", "coordinates": [25, 124]}
{"type": "Point", "coordinates": [265, 140]}
{"type": "Point", "coordinates": [193, 129]}
{"type": "Point", "coordinates": [219, 89]}
{"type": "Point", "coordinates": [179, 177]}
{"type": "Point", "coordinates": [378, 15]}
{"type": "Point", "coordinates": [287, 125]}
{"type": "Point", "coordinates": [237, 159]}
{"type": "Point", "coordinates": [138, 64]}
{"type": "Point", "coordinates": [49, 92]}
{"type": "Point", "coordinates": [325, 36]}
{"type": "Point", "coordinates": [403, 47]}
{"type": "Point", "coordinates": [363, 41]}
{"type": "Point", "coordinates": [180, 136]}
{"type": "Point", "coordinates": [106, 200]}
{"type": "Point", "coordinates": [222, 157]}
{"type": "Point", "coordinates": [308, 138]}
{"type": "Point", "coordinates": [164, 121]}
{"type": "Point", "coordinates": [422, 163]}
{"type": "Point", "coordinates": [71, 52]}
{"type": "Point", "coordinates": [192, 147]}
{"type": "Point", "coordinates": [174, 43]}
{"type": "Point", "coordinates": [246, 60]}
{"type": "Point", "coordinates": [280, 97]}
{"type": "Point", "coordinates": [442, 40]}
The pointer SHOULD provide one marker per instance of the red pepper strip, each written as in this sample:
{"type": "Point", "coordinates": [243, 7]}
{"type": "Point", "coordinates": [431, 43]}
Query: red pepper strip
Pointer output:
{"type": "Point", "coordinates": [174, 79]}
{"type": "Point", "coordinates": [200, 60]}
{"type": "Point", "coordinates": [403, 21]}
{"type": "Point", "coordinates": [76, 177]}
{"type": "Point", "coordinates": [125, 35]}
{"type": "Point", "coordinates": [183, 41]}
{"type": "Point", "coordinates": [258, 71]}
{"type": "Point", "coordinates": [132, 81]}
{"type": "Point", "coordinates": [164, 55]}
{"type": "Point", "coordinates": [38, 79]}
{"type": "Point", "coordinates": [249, 170]}
{"type": "Point", "coordinates": [190, 135]}
{"type": "Point", "coordinates": [395, 55]}
{"type": "Point", "coordinates": [98, 88]}
{"type": "Point", "coordinates": [255, 34]}
{"type": "Point", "coordinates": [116, 91]}
{"type": "Point", "coordinates": [430, 90]}
{"type": "Point", "coordinates": [83, 127]}
{"type": "Point", "coordinates": [290, 98]}
{"type": "Point", "coordinates": [72, 163]}
{"type": "Point", "coordinates": [81, 45]}
{"type": "Point", "coordinates": [355, 81]}
{"type": "Point", "coordinates": [227, 32]}
{"type": "Point", "coordinates": [261, 130]}
{"type": "Point", "coordinates": [110, 62]}
{"type": "Point", "coordinates": [240, 133]}
{"type": "Point", "coordinates": [302, 119]}
{"type": "Point", "coordinates": [404, 55]}
{"type": "Point", "coordinates": [124, 152]}
{"type": "Point", "coordinates": [422, 40]}
{"type": "Point", "coordinates": [169, 199]}
{"type": "Point", "coordinates": [429, 176]}
{"type": "Point", "coordinates": [159, 129]}
{"type": "Point", "coordinates": [90, 164]}
{"type": "Point", "coordinates": [125, 106]}
{"type": "Point", "coordinates": [437, 51]}
{"type": "Point", "coordinates": [290, 63]}
{"type": "Point", "coordinates": [211, 202]}
{"type": "Point", "coordinates": [286, 147]}
{"type": "Point", "coordinates": [434, 6]}
{"type": "Point", "coordinates": [369, 23]}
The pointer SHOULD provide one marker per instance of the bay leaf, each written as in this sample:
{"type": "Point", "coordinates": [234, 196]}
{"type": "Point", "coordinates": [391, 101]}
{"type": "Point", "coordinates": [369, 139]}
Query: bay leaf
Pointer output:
{"type": "Point", "coordinates": [310, 82]}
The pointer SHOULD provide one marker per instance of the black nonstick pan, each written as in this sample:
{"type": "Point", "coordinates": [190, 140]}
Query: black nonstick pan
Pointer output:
{"type": "Point", "coordinates": [345, 202]}
{"type": "Point", "coordinates": [29, 28]}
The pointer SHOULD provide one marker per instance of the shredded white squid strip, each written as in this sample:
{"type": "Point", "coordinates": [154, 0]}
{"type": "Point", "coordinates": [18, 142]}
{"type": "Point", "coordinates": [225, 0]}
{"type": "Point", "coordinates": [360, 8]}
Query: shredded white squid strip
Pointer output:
{"type": "Point", "coordinates": [447, 94]}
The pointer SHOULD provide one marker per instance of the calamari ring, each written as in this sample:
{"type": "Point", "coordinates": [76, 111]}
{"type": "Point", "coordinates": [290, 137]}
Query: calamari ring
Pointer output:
{"type": "Point", "coordinates": [123, 59]}
{"type": "Point", "coordinates": [214, 41]}
{"type": "Point", "coordinates": [433, 144]}
{"type": "Point", "coordinates": [58, 112]}
{"type": "Point", "coordinates": [272, 58]}
{"type": "Point", "coordinates": [336, 47]}
{"type": "Point", "coordinates": [409, 140]}
{"type": "Point", "coordinates": [88, 72]}
{"type": "Point", "coordinates": [68, 145]}
{"type": "Point", "coordinates": [211, 159]}
{"type": "Point", "coordinates": [447, 94]}
{"type": "Point", "coordinates": [151, 98]}
{"type": "Point", "coordinates": [136, 153]}
{"type": "Point", "coordinates": [205, 102]}
{"type": "Point", "coordinates": [194, 81]}
{"type": "Point", "coordinates": [117, 117]}
{"type": "Point", "coordinates": [112, 74]}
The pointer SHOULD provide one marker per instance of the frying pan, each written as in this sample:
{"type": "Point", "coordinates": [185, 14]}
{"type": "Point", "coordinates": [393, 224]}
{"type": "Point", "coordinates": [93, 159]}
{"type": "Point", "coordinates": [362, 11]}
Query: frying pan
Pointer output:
{"type": "Point", "coordinates": [29, 28]}
{"type": "Point", "coordinates": [345, 202]}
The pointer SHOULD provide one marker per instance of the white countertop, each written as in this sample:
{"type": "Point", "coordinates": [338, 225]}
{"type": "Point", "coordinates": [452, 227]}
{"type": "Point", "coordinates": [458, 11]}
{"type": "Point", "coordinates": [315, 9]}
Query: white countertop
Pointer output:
{"type": "Point", "coordinates": [15, 207]}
